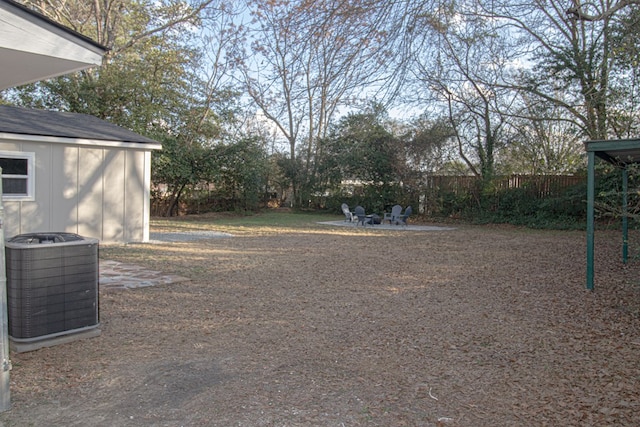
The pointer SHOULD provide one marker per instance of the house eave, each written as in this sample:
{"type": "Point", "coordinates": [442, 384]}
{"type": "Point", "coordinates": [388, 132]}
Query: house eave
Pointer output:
{"type": "Point", "coordinates": [34, 48]}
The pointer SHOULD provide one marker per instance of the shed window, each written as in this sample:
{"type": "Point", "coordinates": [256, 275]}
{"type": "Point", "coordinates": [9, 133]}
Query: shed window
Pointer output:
{"type": "Point", "coordinates": [17, 175]}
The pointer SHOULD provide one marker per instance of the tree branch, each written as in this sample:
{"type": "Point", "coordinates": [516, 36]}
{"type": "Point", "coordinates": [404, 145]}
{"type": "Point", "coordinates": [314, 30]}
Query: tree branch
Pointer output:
{"type": "Point", "coordinates": [579, 14]}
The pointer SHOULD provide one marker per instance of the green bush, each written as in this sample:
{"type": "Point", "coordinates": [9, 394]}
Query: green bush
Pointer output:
{"type": "Point", "coordinates": [561, 209]}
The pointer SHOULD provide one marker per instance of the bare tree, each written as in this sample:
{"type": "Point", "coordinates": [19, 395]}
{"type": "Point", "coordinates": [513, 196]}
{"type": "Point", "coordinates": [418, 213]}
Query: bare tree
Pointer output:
{"type": "Point", "coordinates": [543, 142]}
{"type": "Point", "coordinates": [108, 21]}
{"type": "Point", "coordinates": [572, 60]}
{"type": "Point", "coordinates": [344, 55]}
{"type": "Point", "coordinates": [491, 62]}
{"type": "Point", "coordinates": [461, 63]}
{"type": "Point", "coordinates": [307, 59]}
{"type": "Point", "coordinates": [596, 11]}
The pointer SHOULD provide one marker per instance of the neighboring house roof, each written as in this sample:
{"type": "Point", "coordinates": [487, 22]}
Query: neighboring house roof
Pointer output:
{"type": "Point", "coordinates": [34, 48]}
{"type": "Point", "coordinates": [70, 127]}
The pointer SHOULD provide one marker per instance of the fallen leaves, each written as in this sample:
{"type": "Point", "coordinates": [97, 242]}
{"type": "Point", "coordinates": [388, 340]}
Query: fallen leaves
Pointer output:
{"type": "Point", "coordinates": [476, 326]}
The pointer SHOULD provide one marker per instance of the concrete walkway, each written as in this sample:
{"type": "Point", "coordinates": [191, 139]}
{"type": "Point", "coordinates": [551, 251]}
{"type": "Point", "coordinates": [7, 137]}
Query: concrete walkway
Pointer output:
{"type": "Point", "coordinates": [409, 227]}
{"type": "Point", "coordinates": [117, 275]}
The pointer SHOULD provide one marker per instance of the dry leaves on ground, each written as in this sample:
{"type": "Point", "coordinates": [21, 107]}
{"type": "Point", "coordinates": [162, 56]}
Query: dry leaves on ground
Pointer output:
{"type": "Point", "coordinates": [479, 326]}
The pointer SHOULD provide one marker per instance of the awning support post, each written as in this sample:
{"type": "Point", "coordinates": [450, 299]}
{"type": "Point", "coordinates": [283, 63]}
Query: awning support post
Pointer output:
{"type": "Point", "coordinates": [590, 217]}
{"type": "Point", "coordinates": [625, 219]}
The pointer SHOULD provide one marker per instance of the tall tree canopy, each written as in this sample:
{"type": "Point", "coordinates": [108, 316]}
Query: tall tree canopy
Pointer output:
{"type": "Point", "coordinates": [306, 61]}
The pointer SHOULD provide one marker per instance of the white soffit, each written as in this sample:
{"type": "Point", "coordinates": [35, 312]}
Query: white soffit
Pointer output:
{"type": "Point", "coordinates": [33, 49]}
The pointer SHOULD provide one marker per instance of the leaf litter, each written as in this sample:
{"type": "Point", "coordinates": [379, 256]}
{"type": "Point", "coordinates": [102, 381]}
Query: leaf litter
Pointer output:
{"type": "Point", "coordinates": [474, 326]}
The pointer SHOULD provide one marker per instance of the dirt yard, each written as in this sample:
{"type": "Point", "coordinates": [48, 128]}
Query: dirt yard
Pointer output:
{"type": "Point", "coordinates": [341, 327]}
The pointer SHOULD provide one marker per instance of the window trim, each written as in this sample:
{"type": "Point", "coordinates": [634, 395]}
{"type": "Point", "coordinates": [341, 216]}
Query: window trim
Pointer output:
{"type": "Point", "coordinates": [30, 157]}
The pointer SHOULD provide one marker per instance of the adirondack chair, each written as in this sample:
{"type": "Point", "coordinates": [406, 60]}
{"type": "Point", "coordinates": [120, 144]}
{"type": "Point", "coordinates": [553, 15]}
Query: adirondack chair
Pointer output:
{"type": "Point", "coordinates": [391, 216]}
{"type": "Point", "coordinates": [363, 218]}
{"type": "Point", "coordinates": [402, 219]}
{"type": "Point", "coordinates": [348, 215]}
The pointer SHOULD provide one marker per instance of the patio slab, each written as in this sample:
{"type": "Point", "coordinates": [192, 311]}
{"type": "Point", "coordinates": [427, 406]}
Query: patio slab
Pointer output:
{"type": "Point", "coordinates": [409, 227]}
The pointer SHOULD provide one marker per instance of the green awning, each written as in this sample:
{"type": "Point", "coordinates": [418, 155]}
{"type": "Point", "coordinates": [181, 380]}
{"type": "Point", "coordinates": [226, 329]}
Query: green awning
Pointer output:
{"type": "Point", "coordinates": [621, 153]}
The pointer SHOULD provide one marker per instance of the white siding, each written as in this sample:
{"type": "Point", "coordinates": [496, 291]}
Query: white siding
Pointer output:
{"type": "Point", "coordinates": [61, 174]}
{"type": "Point", "coordinates": [95, 192]}
{"type": "Point", "coordinates": [133, 203]}
{"type": "Point", "coordinates": [90, 192]}
{"type": "Point", "coordinates": [113, 204]}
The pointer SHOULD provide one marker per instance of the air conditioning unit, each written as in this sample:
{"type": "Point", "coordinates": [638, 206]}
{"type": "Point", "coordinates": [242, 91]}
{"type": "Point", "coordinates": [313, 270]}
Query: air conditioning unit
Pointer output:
{"type": "Point", "coordinates": [52, 288]}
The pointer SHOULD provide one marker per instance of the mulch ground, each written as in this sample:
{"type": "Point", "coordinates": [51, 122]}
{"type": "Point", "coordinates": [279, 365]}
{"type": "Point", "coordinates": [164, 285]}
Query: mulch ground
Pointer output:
{"type": "Point", "coordinates": [477, 326]}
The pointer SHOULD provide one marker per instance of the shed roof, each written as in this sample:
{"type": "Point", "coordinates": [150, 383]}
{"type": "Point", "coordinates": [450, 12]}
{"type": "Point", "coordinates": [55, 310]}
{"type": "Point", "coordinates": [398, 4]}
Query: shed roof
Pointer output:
{"type": "Point", "coordinates": [43, 123]}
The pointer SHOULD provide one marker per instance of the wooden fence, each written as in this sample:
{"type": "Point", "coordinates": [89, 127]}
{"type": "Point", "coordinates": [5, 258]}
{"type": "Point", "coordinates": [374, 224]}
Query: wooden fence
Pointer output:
{"type": "Point", "coordinates": [540, 185]}
{"type": "Point", "coordinates": [450, 194]}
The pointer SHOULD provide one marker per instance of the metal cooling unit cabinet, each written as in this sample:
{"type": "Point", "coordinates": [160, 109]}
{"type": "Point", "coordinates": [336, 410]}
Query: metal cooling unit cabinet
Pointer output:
{"type": "Point", "coordinates": [52, 289]}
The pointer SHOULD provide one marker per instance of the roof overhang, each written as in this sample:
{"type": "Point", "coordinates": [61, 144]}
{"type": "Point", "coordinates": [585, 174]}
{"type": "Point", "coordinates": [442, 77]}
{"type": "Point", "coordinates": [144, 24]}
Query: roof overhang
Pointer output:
{"type": "Point", "coordinates": [34, 48]}
{"type": "Point", "coordinates": [620, 152]}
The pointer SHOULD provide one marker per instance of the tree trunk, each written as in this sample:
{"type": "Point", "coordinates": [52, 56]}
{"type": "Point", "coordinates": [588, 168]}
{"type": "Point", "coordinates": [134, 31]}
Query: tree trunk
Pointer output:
{"type": "Point", "coordinates": [174, 202]}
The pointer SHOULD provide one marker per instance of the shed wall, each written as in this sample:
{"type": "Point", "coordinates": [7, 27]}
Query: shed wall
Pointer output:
{"type": "Point", "coordinates": [99, 192]}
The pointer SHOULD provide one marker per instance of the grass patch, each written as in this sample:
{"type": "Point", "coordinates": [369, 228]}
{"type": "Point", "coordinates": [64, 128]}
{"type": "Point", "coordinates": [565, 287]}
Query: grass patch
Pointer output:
{"type": "Point", "coordinates": [267, 221]}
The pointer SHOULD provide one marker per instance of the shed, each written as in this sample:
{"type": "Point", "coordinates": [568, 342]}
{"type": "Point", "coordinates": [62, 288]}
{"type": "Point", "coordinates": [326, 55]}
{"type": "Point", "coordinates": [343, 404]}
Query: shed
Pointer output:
{"type": "Point", "coordinates": [74, 173]}
{"type": "Point", "coordinates": [621, 153]}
